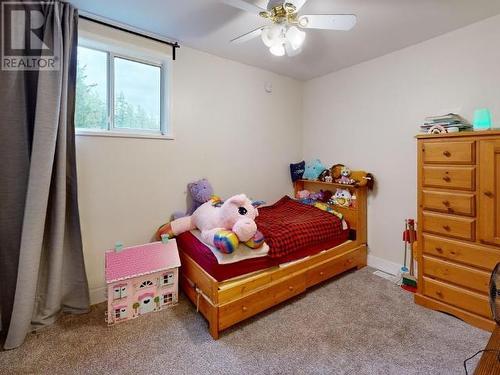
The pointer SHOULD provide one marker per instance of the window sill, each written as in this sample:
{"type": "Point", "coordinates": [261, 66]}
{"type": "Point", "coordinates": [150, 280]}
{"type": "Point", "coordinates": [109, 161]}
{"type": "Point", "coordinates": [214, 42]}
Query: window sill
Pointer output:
{"type": "Point", "coordinates": [115, 134]}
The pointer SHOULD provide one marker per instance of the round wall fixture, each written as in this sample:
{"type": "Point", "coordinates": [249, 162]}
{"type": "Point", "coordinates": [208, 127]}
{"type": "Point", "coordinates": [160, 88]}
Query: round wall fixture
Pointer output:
{"type": "Point", "coordinates": [268, 87]}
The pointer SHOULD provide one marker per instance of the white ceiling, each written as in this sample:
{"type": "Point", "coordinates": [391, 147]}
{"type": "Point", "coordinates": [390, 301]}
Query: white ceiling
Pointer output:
{"type": "Point", "coordinates": [383, 26]}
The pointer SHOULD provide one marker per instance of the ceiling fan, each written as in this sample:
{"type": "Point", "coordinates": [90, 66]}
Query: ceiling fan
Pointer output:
{"type": "Point", "coordinates": [284, 35]}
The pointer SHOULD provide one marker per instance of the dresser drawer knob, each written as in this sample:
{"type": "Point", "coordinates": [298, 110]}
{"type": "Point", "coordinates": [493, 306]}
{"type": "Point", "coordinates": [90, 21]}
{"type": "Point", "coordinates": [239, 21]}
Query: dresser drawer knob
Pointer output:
{"type": "Point", "coordinates": [446, 203]}
{"type": "Point", "coordinates": [489, 194]}
{"type": "Point", "coordinates": [290, 288]}
{"type": "Point", "coordinates": [244, 308]}
{"type": "Point", "coordinates": [439, 294]}
{"type": "Point", "coordinates": [446, 228]}
{"type": "Point", "coordinates": [447, 178]}
{"type": "Point", "coordinates": [322, 273]}
{"type": "Point", "coordinates": [439, 250]}
{"type": "Point", "coordinates": [447, 153]}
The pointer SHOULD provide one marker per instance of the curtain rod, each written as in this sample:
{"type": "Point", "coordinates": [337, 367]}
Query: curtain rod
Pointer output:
{"type": "Point", "coordinates": [174, 45]}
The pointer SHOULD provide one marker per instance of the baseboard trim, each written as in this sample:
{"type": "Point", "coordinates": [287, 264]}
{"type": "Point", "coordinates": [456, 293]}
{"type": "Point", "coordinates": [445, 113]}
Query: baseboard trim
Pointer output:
{"type": "Point", "coordinates": [383, 265]}
{"type": "Point", "coordinates": [97, 295]}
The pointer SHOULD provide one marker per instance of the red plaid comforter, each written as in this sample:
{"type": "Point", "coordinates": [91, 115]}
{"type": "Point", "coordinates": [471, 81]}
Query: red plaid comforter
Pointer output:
{"type": "Point", "coordinates": [289, 226]}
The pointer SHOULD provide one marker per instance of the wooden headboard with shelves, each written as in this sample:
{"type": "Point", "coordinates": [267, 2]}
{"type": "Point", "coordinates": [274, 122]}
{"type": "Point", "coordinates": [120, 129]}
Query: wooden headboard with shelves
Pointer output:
{"type": "Point", "coordinates": [355, 216]}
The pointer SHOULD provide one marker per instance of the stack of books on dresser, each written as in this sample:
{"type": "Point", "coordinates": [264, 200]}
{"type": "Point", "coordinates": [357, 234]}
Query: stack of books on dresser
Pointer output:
{"type": "Point", "coordinates": [445, 124]}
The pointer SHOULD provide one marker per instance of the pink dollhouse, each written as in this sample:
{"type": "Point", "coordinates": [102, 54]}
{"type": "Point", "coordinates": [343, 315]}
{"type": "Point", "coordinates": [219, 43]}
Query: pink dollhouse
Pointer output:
{"type": "Point", "coordinates": [141, 279]}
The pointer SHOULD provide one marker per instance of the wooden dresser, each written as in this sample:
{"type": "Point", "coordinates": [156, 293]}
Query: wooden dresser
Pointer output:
{"type": "Point", "coordinates": [459, 222]}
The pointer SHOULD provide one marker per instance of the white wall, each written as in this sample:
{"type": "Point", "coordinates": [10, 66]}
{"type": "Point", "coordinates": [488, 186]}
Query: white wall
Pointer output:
{"type": "Point", "coordinates": [227, 129]}
{"type": "Point", "coordinates": [366, 116]}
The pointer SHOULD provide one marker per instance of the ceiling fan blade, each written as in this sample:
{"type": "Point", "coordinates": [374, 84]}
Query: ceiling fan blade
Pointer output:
{"type": "Point", "coordinates": [243, 5]}
{"type": "Point", "coordinates": [342, 22]}
{"type": "Point", "coordinates": [250, 35]}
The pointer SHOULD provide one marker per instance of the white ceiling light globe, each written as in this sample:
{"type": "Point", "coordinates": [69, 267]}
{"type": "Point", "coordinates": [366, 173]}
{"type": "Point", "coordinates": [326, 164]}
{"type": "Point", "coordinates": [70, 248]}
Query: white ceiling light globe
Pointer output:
{"type": "Point", "coordinates": [271, 34]}
{"type": "Point", "coordinates": [290, 51]}
{"type": "Point", "coordinates": [277, 50]}
{"type": "Point", "coordinates": [295, 36]}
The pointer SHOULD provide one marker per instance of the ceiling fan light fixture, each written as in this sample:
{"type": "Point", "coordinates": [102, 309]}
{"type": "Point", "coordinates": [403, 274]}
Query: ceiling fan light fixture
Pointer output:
{"type": "Point", "coordinates": [295, 37]}
{"type": "Point", "coordinates": [272, 35]}
{"type": "Point", "coordinates": [290, 51]}
{"type": "Point", "coordinates": [278, 49]}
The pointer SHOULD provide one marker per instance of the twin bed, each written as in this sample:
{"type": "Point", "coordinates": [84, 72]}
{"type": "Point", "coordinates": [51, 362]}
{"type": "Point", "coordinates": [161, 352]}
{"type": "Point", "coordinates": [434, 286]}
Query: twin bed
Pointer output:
{"type": "Point", "coordinates": [307, 246]}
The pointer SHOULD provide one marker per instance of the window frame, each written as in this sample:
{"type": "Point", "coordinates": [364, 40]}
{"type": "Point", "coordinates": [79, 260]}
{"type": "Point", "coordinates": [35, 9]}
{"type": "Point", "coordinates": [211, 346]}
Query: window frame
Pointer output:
{"type": "Point", "coordinates": [132, 52]}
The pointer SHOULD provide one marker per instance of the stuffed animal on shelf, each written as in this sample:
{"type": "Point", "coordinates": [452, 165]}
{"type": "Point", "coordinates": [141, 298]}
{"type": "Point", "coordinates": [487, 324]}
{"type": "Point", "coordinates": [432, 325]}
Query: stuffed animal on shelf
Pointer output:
{"type": "Point", "coordinates": [342, 198]}
{"type": "Point", "coordinates": [223, 227]}
{"type": "Point", "coordinates": [325, 176]}
{"type": "Point", "coordinates": [326, 195]}
{"type": "Point", "coordinates": [361, 178]}
{"type": "Point", "coordinates": [313, 169]}
{"type": "Point", "coordinates": [345, 178]}
{"type": "Point", "coordinates": [297, 170]}
{"type": "Point", "coordinates": [303, 194]}
{"type": "Point", "coordinates": [316, 196]}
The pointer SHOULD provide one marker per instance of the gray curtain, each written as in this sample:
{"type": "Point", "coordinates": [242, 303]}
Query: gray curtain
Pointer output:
{"type": "Point", "coordinates": [42, 269]}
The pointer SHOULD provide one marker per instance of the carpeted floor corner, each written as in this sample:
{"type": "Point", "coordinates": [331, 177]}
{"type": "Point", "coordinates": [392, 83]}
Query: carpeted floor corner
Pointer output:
{"type": "Point", "coordinates": [356, 324]}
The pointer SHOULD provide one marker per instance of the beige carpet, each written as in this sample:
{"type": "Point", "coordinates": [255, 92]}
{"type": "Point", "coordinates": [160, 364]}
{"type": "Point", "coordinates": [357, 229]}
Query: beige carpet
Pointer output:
{"type": "Point", "coordinates": [357, 324]}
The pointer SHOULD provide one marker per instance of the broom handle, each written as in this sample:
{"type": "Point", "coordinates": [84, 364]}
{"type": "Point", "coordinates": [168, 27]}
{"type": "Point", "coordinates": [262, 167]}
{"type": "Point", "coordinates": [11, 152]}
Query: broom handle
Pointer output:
{"type": "Point", "coordinates": [412, 239]}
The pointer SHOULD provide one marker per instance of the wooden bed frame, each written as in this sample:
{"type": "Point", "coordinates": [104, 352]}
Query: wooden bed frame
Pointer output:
{"type": "Point", "coordinates": [228, 302]}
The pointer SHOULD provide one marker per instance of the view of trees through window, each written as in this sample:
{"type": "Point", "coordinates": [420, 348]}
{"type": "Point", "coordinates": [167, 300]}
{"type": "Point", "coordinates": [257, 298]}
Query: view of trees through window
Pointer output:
{"type": "Point", "coordinates": [136, 93]}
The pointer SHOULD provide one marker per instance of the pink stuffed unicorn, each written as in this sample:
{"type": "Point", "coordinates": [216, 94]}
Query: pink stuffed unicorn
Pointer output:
{"type": "Point", "coordinates": [221, 226]}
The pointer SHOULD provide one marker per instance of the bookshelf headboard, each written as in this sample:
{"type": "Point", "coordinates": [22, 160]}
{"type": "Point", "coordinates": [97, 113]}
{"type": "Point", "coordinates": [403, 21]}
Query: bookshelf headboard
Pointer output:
{"type": "Point", "coordinates": [355, 216]}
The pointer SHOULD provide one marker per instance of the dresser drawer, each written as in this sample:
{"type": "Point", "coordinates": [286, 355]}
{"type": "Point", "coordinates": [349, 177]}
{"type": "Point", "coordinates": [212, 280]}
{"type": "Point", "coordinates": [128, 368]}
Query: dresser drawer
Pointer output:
{"type": "Point", "coordinates": [449, 152]}
{"type": "Point", "coordinates": [468, 277]}
{"type": "Point", "coordinates": [458, 251]}
{"type": "Point", "coordinates": [453, 226]}
{"type": "Point", "coordinates": [453, 203]}
{"type": "Point", "coordinates": [449, 177]}
{"type": "Point", "coordinates": [456, 296]}
{"type": "Point", "coordinates": [254, 303]}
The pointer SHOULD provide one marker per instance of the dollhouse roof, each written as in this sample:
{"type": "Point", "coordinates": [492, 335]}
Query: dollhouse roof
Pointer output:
{"type": "Point", "coordinates": [141, 260]}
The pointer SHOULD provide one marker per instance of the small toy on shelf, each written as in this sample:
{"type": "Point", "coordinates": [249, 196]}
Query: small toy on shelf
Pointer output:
{"type": "Point", "coordinates": [141, 279]}
{"type": "Point", "coordinates": [324, 176]}
{"type": "Point", "coordinates": [359, 178]}
{"type": "Point", "coordinates": [297, 170]}
{"type": "Point", "coordinates": [303, 194]}
{"type": "Point", "coordinates": [342, 198]}
{"type": "Point", "coordinates": [316, 196]}
{"type": "Point", "coordinates": [313, 169]}
{"type": "Point", "coordinates": [345, 178]}
{"type": "Point", "coordinates": [325, 195]}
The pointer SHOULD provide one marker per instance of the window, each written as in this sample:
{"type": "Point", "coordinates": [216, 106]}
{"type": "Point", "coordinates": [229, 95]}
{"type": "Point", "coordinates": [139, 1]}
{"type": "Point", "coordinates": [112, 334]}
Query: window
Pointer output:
{"type": "Point", "coordinates": [119, 291]}
{"type": "Point", "coordinates": [168, 298]}
{"type": "Point", "coordinates": [120, 313]}
{"type": "Point", "coordinates": [146, 284]}
{"type": "Point", "coordinates": [121, 91]}
{"type": "Point", "coordinates": [167, 279]}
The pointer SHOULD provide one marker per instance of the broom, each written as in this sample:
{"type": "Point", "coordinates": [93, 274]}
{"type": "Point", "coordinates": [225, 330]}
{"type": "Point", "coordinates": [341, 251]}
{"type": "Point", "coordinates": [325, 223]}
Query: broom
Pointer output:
{"type": "Point", "coordinates": [409, 281]}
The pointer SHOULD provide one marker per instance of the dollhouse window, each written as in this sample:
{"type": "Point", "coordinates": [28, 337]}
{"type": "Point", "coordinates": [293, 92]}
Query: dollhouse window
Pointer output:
{"type": "Point", "coordinates": [168, 279]}
{"type": "Point", "coordinates": [120, 313]}
{"type": "Point", "coordinates": [119, 291]}
{"type": "Point", "coordinates": [146, 284]}
{"type": "Point", "coordinates": [167, 298]}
